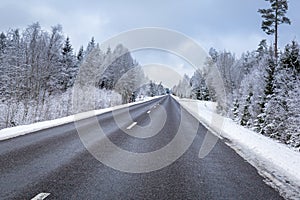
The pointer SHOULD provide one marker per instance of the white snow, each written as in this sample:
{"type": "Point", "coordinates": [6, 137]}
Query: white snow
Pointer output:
{"type": "Point", "coordinates": [12, 132]}
{"type": "Point", "coordinates": [278, 163]}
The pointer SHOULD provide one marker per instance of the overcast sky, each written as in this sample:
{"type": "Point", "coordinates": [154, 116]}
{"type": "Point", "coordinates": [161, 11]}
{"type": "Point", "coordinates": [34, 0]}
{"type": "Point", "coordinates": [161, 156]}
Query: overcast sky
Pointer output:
{"type": "Point", "coordinates": [223, 24]}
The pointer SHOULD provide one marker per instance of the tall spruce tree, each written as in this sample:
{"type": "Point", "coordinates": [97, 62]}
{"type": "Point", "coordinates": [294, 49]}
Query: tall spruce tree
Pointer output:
{"type": "Point", "coordinates": [246, 115]}
{"type": "Point", "coordinates": [69, 69]}
{"type": "Point", "coordinates": [91, 45]}
{"type": "Point", "coordinates": [67, 48]}
{"type": "Point", "coordinates": [3, 42]}
{"type": "Point", "coordinates": [272, 18]}
{"type": "Point", "coordinates": [80, 54]}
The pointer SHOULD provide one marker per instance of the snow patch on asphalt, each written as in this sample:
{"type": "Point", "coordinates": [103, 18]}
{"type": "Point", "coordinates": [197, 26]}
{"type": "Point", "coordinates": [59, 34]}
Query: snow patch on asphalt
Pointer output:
{"type": "Point", "coordinates": [277, 162]}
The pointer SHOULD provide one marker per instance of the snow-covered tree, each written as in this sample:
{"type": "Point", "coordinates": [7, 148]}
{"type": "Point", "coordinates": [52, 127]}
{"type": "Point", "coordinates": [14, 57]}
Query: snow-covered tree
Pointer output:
{"type": "Point", "coordinates": [80, 54]}
{"type": "Point", "coordinates": [128, 84]}
{"type": "Point", "coordinates": [183, 89]}
{"type": "Point", "coordinates": [278, 110]}
{"type": "Point", "coordinates": [91, 45]}
{"type": "Point", "coordinates": [199, 87]}
{"type": "Point", "coordinates": [69, 69]}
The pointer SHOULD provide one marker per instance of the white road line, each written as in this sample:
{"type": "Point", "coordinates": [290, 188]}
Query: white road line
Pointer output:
{"type": "Point", "coordinates": [132, 125]}
{"type": "Point", "coordinates": [40, 196]}
{"type": "Point", "coordinates": [149, 111]}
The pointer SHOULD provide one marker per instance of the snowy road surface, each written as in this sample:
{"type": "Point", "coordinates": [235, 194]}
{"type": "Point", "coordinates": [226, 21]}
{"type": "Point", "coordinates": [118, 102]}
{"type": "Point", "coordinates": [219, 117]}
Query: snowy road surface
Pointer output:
{"type": "Point", "coordinates": [54, 163]}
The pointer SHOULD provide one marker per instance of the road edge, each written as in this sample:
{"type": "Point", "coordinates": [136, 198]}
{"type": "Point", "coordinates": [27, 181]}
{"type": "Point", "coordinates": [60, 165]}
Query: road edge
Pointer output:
{"type": "Point", "coordinates": [12, 132]}
{"type": "Point", "coordinates": [283, 179]}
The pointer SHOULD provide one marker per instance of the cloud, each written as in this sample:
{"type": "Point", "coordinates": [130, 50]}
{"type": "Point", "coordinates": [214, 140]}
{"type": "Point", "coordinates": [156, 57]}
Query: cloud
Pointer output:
{"type": "Point", "coordinates": [167, 75]}
{"type": "Point", "coordinates": [79, 25]}
{"type": "Point", "coordinates": [237, 43]}
{"type": "Point", "coordinates": [163, 58]}
{"type": "Point", "coordinates": [230, 24]}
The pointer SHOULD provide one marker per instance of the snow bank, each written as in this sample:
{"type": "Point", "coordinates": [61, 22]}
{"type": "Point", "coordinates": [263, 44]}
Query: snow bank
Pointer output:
{"type": "Point", "coordinates": [278, 163]}
{"type": "Point", "coordinates": [12, 132]}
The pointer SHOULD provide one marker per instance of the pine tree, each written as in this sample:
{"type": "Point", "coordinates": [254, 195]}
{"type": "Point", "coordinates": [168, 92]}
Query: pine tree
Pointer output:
{"type": "Point", "coordinates": [262, 49]}
{"type": "Point", "coordinates": [279, 112]}
{"type": "Point", "coordinates": [69, 68]}
{"type": "Point", "coordinates": [67, 48]}
{"type": "Point", "coordinates": [290, 64]}
{"type": "Point", "coordinates": [270, 69]}
{"type": "Point", "coordinates": [80, 54]}
{"type": "Point", "coordinates": [128, 84]}
{"type": "Point", "coordinates": [235, 109]}
{"type": "Point", "coordinates": [91, 45]}
{"type": "Point", "coordinates": [294, 116]}
{"type": "Point", "coordinates": [2, 44]}
{"type": "Point", "coordinates": [195, 84]}
{"type": "Point", "coordinates": [204, 91]}
{"type": "Point", "coordinates": [268, 93]}
{"type": "Point", "coordinates": [264, 61]}
{"type": "Point", "coordinates": [151, 89]}
{"type": "Point", "coordinates": [107, 78]}
{"type": "Point", "coordinates": [290, 58]}
{"type": "Point", "coordinates": [272, 18]}
{"type": "Point", "coordinates": [246, 117]}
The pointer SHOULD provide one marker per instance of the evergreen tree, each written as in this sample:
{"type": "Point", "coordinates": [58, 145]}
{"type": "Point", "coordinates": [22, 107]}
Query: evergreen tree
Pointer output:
{"type": "Point", "coordinates": [80, 54]}
{"type": "Point", "coordinates": [184, 87]}
{"type": "Point", "coordinates": [69, 68]}
{"type": "Point", "coordinates": [272, 18]}
{"type": "Point", "coordinates": [262, 49]}
{"type": "Point", "coordinates": [151, 89]}
{"type": "Point", "coordinates": [290, 58]}
{"type": "Point", "coordinates": [270, 69]}
{"type": "Point", "coordinates": [199, 87]}
{"type": "Point", "coordinates": [128, 84]}
{"type": "Point", "coordinates": [294, 115]}
{"type": "Point", "coordinates": [246, 116]}
{"type": "Point", "coordinates": [2, 44]}
{"type": "Point", "coordinates": [67, 48]}
{"type": "Point", "coordinates": [235, 110]}
{"type": "Point", "coordinates": [279, 112]}
{"type": "Point", "coordinates": [108, 77]}
{"type": "Point", "coordinates": [268, 93]}
{"type": "Point", "coordinates": [91, 45]}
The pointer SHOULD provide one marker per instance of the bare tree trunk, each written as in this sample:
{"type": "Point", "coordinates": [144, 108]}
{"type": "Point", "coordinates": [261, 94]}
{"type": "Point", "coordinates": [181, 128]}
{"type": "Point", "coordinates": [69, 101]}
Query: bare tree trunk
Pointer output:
{"type": "Point", "coordinates": [7, 116]}
{"type": "Point", "coordinates": [276, 33]}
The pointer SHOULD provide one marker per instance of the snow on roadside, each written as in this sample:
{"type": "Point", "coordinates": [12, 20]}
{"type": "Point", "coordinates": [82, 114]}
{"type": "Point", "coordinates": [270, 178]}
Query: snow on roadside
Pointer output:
{"type": "Point", "coordinates": [12, 132]}
{"type": "Point", "coordinates": [278, 163]}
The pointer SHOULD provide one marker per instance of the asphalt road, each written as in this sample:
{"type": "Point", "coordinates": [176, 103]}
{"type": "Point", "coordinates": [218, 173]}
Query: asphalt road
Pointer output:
{"type": "Point", "coordinates": [55, 161]}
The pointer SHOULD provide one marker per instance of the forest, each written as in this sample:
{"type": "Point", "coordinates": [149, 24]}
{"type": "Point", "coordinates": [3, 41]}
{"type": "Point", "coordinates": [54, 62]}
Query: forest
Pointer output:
{"type": "Point", "coordinates": [260, 94]}
{"type": "Point", "coordinates": [39, 68]}
{"type": "Point", "coordinates": [262, 87]}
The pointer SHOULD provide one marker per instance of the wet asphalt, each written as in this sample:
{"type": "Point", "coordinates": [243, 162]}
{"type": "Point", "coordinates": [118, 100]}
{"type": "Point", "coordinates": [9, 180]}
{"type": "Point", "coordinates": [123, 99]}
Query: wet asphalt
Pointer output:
{"type": "Point", "coordinates": [56, 161]}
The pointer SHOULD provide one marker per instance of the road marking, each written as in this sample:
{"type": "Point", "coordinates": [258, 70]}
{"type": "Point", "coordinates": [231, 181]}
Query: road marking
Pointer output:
{"type": "Point", "coordinates": [40, 196]}
{"type": "Point", "coordinates": [132, 125]}
{"type": "Point", "coordinates": [149, 111]}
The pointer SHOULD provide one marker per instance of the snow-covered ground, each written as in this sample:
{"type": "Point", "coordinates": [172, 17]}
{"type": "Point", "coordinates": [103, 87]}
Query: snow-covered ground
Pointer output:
{"type": "Point", "coordinates": [12, 132]}
{"type": "Point", "coordinates": [278, 163]}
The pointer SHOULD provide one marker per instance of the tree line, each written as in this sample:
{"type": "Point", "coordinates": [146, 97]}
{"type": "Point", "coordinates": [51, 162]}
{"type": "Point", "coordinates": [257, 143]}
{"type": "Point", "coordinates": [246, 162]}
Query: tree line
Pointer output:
{"type": "Point", "coordinates": [262, 87]}
{"type": "Point", "coordinates": [38, 70]}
